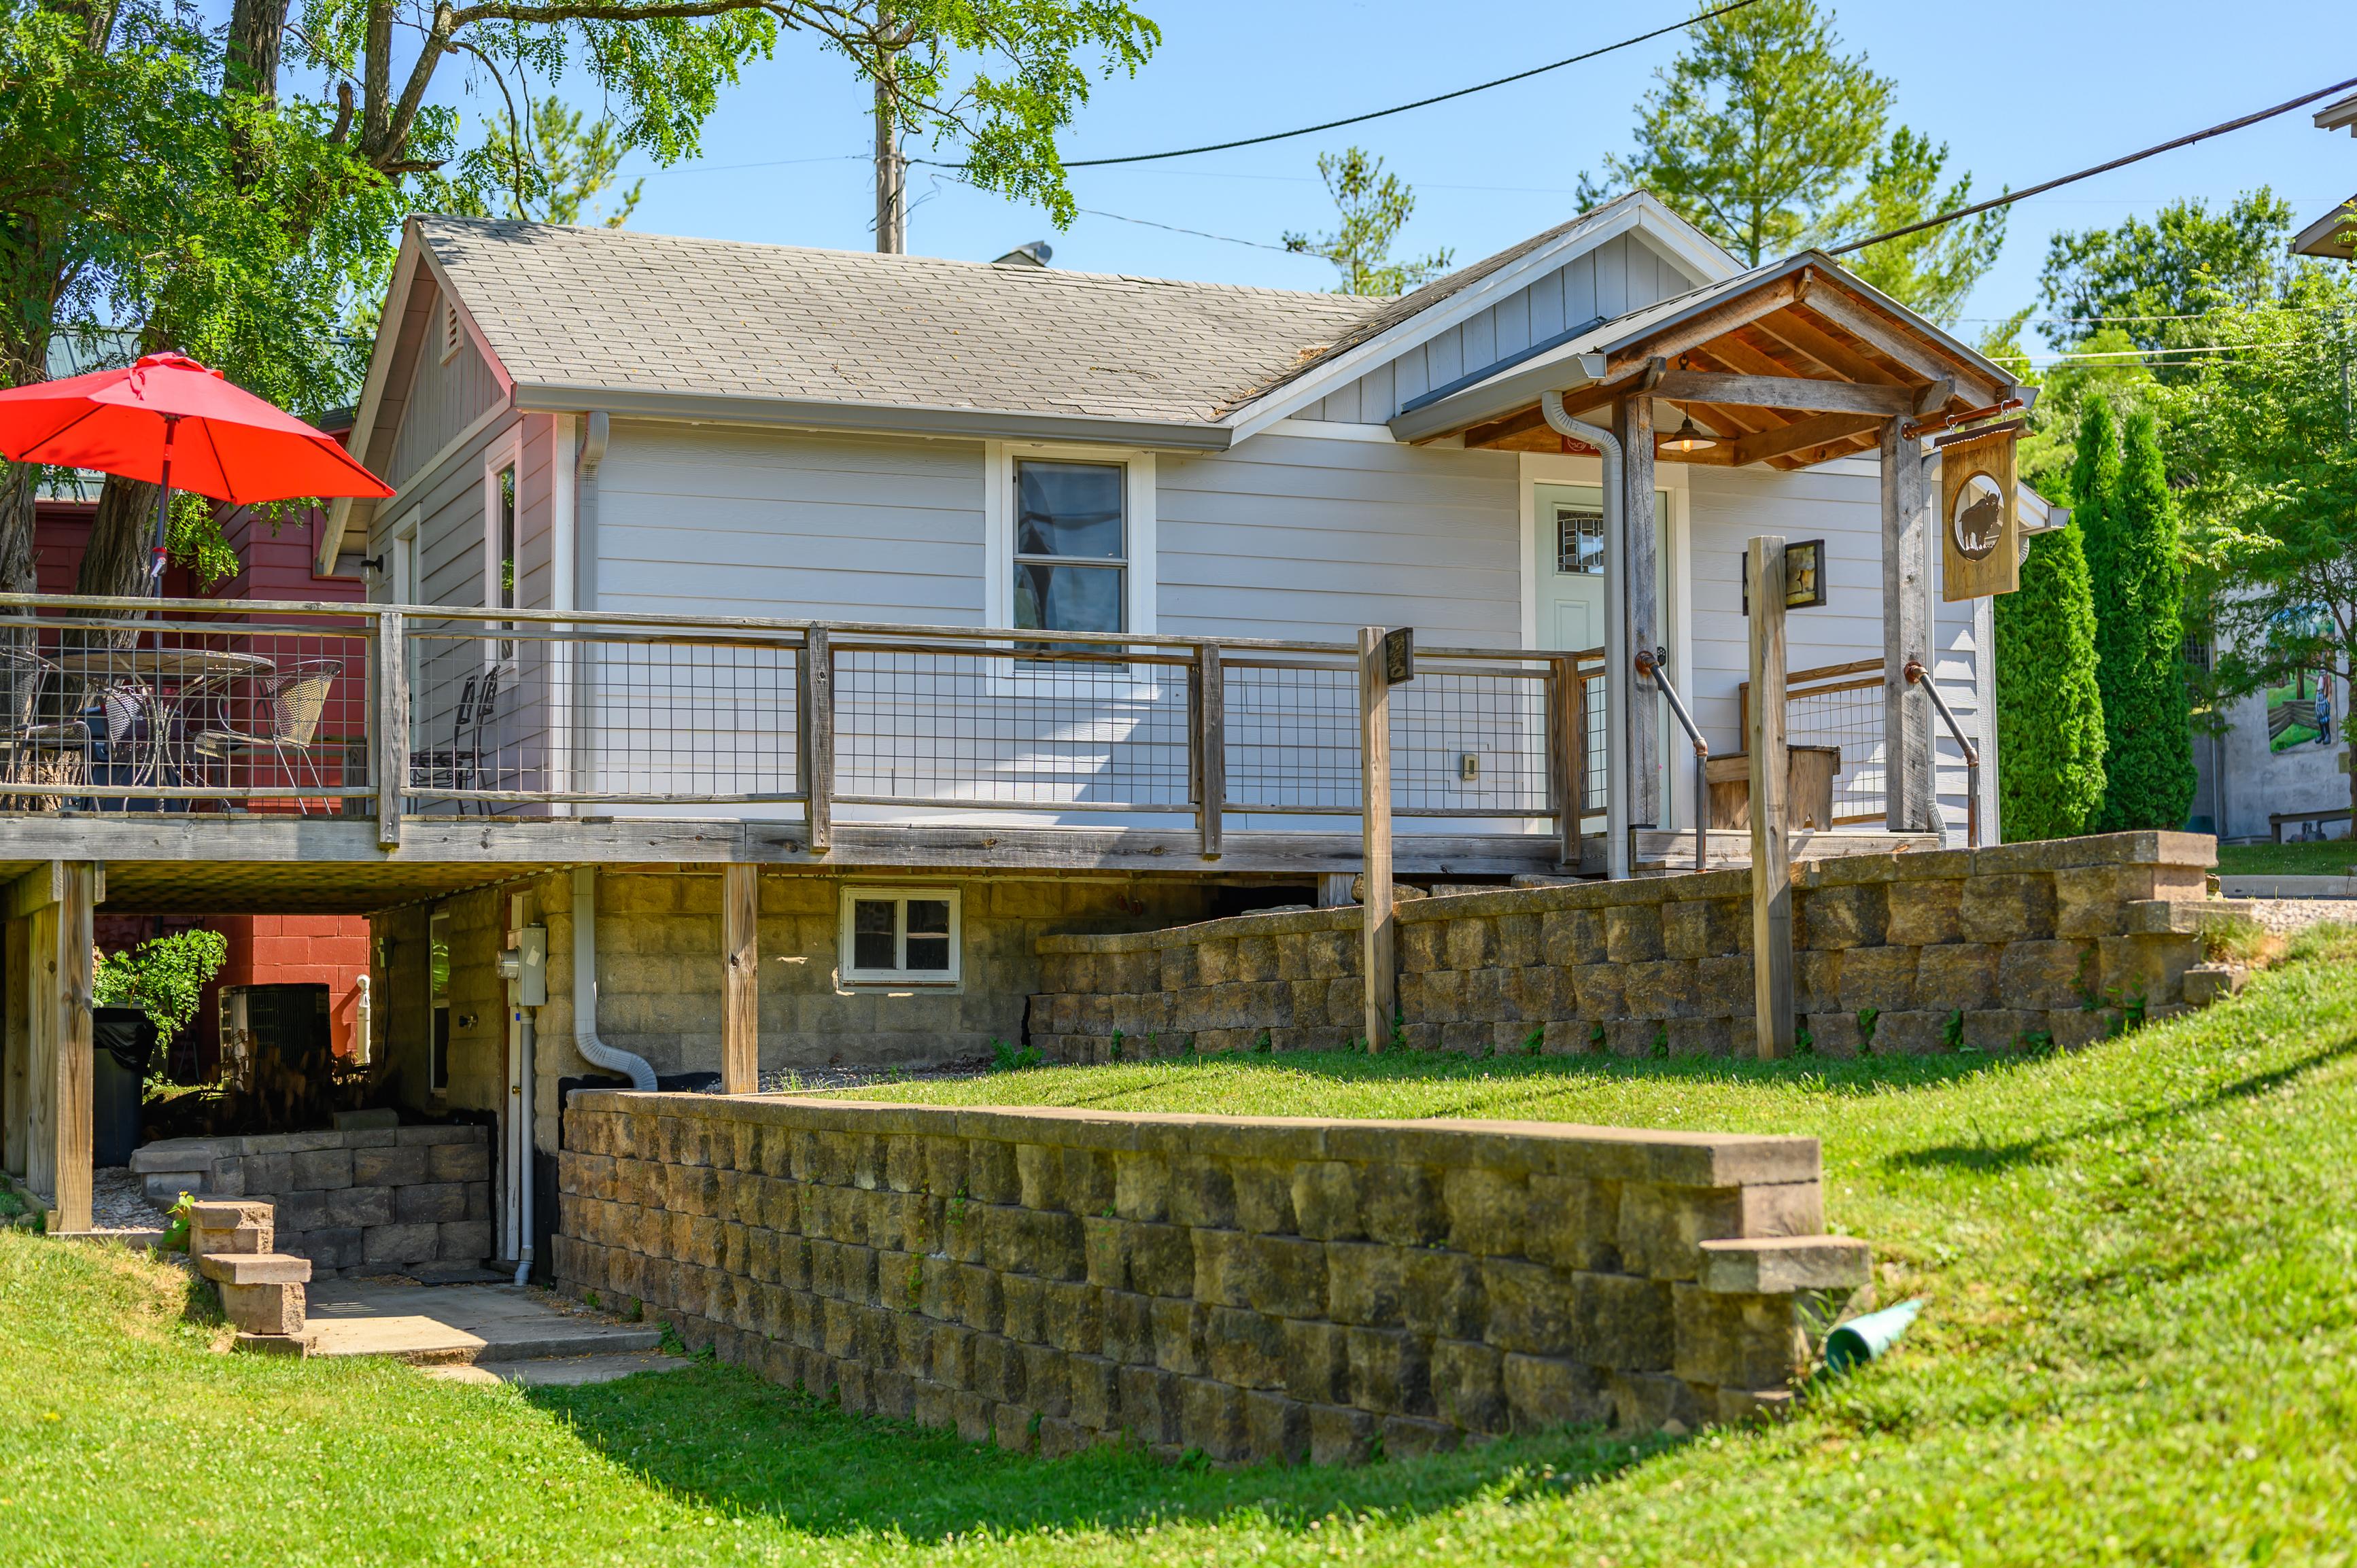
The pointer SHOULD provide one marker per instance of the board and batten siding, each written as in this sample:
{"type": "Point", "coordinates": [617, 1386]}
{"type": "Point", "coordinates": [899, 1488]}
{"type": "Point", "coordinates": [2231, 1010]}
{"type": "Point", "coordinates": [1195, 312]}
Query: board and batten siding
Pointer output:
{"type": "Point", "coordinates": [1621, 274]}
{"type": "Point", "coordinates": [1842, 504]}
{"type": "Point", "coordinates": [1302, 537]}
{"type": "Point", "coordinates": [444, 399]}
{"type": "Point", "coordinates": [702, 520]}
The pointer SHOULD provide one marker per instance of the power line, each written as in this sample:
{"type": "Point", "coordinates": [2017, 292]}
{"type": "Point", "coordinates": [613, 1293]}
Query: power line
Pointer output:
{"type": "Point", "coordinates": [2012, 197]}
{"type": "Point", "coordinates": [1146, 222]}
{"type": "Point", "coordinates": [1395, 109]}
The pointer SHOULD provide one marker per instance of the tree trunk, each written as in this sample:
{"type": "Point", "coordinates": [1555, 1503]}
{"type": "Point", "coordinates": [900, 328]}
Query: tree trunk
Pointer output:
{"type": "Point", "coordinates": [116, 561]}
{"type": "Point", "coordinates": [17, 529]}
{"type": "Point", "coordinates": [257, 34]}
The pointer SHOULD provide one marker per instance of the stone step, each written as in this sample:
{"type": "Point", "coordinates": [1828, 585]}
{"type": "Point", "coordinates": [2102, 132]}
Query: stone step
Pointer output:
{"type": "Point", "coordinates": [460, 1325]}
{"type": "Point", "coordinates": [561, 1371]}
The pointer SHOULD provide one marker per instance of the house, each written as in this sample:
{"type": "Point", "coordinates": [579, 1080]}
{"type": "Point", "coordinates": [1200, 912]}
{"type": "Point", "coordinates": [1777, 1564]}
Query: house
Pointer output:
{"type": "Point", "coordinates": [768, 646]}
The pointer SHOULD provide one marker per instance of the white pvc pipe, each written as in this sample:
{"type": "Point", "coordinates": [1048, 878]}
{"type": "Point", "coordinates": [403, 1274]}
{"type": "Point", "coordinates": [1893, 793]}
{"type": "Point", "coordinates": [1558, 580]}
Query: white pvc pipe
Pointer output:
{"type": "Point", "coordinates": [594, 1051]}
{"type": "Point", "coordinates": [524, 1163]}
{"type": "Point", "coordinates": [1616, 630]}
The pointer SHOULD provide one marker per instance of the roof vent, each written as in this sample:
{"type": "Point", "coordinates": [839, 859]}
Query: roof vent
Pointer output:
{"type": "Point", "coordinates": [452, 335]}
{"type": "Point", "coordinates": [1037, 253]}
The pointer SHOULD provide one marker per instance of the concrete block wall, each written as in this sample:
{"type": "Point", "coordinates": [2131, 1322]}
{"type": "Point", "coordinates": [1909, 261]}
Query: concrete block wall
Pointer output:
{"type": "Point", "coordinates": [356, 1200]}
{"type": "Point", "coordinates": [1991, 949]}
{"type": "Point", "coordinates": [1254, 1289]}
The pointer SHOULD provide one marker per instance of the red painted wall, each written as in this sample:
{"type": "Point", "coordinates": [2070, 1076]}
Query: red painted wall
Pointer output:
{"type": "Point", "coordinates": [264, 950]}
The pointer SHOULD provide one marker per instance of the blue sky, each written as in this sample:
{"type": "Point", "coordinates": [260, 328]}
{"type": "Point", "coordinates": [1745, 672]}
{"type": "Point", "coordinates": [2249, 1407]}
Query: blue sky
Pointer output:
{"type": "Point", "coordinates": [2019, 94]}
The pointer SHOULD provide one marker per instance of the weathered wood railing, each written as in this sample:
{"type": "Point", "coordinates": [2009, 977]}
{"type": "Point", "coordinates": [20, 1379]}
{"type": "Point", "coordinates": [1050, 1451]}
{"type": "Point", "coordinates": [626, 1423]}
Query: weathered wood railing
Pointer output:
{"type": "Point", "coordinates": [430, 709]}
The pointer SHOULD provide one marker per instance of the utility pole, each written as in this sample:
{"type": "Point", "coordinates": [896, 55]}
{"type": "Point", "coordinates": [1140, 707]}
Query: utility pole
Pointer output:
{"type": "Point", "coordinates": [891, 169]}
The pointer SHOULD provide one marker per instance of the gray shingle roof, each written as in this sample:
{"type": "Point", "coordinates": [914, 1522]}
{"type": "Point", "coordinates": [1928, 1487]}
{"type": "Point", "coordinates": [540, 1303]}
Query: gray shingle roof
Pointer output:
{"type": "Point", "coordinates": [648, 312]}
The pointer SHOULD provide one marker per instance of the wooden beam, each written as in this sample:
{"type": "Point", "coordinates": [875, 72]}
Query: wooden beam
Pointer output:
{"type": "Point", "coordinates": [1798, 392]}
{"type": "Point", "coordinates": [741, 999]}
{"type": "Point", "coordinates": [1378, 921]}
{"type": "Point", "coordinates": [57, 979]}
{"type": "Point", "coordinates": [815, 738]}
{"type": "Point", "coordinates": [1637, 706]}
{"type": "Point", "coordinates": [1890, 339]}
{"type": "Point", "coordinates": [16, 1042]}
{"type": "Point", "coordinates": [1209, 744]}
{"type": "Point", "coordinates": [1772, 871]}
{"type": "Point", "coordinates": [392, 725]}
{"type": "Point", "coordinates": [1909, 791]}
{"type": "Point", "coordinates": [1568, 752]}
{"type": "Point", "coordinates": [46, 884]}
{"type": "Point", "coordinates": [1802, 436]}
{"type": "Point", "coordinates": [1671, 341]}
{"type": "Point", "coordinates": [1511, 426]}
{"type": "Point", "coordinates": [1812, 342]}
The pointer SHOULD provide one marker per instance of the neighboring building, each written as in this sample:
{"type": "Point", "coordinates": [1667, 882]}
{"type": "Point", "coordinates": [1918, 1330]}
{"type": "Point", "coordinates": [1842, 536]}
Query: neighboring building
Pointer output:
{"type": "Point", "coordinates": [2282, 753]}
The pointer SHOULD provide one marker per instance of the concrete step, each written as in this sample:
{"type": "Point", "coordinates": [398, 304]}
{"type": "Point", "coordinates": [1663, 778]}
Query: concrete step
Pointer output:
{"type": "Point", "coordinates": [561, 1371]}
{"type": "Point", "coordinates": [461, 1325]}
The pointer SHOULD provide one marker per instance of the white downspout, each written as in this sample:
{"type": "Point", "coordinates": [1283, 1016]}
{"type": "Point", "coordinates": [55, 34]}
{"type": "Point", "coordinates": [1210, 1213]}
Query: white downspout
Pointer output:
{"type": "Point", "coordinates": [594, 1051]}
{"type": "Point", "coordinates": [1616, 630]}
{"type": "Point", "coordinates": [524, 1166]}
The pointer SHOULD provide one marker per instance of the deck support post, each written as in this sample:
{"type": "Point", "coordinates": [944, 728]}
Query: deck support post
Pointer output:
{"type": "Point", "coordinates": [1209, 742]}
{"type": "Point", "coordinates": [1910, 792]}
{"type": "Point", "coordinates": [54, 903]}
{"type": "Point", "coordinates": [16, 1042]}
{"type": "Point", "coordinates": [815, 738]}
{"type": "Point", "coordinates": [741, 1003]}
{"type": "Point", "coordinates": [1379, 920]}
{"type": "Point", "coordinates": [1637, 697]}
{"type": "Point", "coordinates": [392, 725]}
{"type": "Point", "coordinates": [1772, 871]}
{"type": "Point", "coordinates": [1567, 754]}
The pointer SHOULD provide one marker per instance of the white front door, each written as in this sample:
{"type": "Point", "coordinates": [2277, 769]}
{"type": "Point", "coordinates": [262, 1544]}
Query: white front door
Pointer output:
{"type": "Point", "coordinates": [1570, 567]}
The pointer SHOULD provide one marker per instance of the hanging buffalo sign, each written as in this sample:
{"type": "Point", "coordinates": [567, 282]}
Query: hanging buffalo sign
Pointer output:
{"type": "Point", "coordinates": [1980, 526]}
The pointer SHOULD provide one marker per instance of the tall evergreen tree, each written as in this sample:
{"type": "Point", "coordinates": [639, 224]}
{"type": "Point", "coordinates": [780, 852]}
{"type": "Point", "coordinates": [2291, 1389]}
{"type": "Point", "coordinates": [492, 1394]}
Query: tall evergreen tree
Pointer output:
{"type": "Point", "coordinates": [2050, 716]}
{"type": "Point", "coordinates": [2140, 637]}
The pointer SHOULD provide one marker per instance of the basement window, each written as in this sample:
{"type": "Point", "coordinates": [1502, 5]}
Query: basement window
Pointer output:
{"type": "Point", "coordinates": [899, 936]}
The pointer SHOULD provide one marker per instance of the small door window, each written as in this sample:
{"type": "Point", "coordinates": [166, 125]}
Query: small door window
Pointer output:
{"type": "Point", "coordinates": [901, 936]}
{"type": "Point", "coordinates": [1578, 539]}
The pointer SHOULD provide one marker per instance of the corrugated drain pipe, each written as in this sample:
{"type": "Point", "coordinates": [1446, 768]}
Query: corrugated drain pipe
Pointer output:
{"type": "Point", "coordinates": [594, 1051]}
{"type": "Point", "coordinates": [1616, 630]}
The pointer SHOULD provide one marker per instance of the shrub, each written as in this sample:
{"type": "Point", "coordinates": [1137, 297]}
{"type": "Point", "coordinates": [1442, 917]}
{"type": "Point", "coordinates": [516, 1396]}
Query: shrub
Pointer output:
{"type": "Point", "coordinates": [2050, 707]}
{"type": "Point", "coordinates": [2139, 590]}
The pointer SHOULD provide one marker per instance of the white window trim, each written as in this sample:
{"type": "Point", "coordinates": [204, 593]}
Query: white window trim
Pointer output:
{"type": "Point", "coordinates": [505, 453]}
{"type": "Point", "coordinates": [401, 561]}
{"type": "Point", "coordinates": [850, 979]}
{"type": "Point", "coordinates": [1139, 544]}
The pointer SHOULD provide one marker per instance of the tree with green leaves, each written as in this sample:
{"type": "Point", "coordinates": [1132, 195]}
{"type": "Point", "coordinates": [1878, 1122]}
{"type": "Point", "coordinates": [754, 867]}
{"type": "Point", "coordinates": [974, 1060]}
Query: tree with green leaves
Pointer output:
{"type": "Point", "coordinates": [264, 226]}
{"type": "Point", "coordinates": [558, 170]}
{"type": "Point", "coordinates": [2156, 282]}
{"type": "Point", "coordinates": [164, 977]}
{"type": "Point", "coordinates": [2135, 562]}
{"type": "Point", "coordinates": [2050, 712]}
{"type": "Point", "coordinates": [2269, 440]}
{"type": "Point", "coordinates": [1373, 207]}
{"type": "Point", "coordinates": [1768, 136]}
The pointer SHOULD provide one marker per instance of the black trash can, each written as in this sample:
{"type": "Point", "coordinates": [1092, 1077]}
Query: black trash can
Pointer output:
{"type": "Point", "coordinates": [126, 1042]}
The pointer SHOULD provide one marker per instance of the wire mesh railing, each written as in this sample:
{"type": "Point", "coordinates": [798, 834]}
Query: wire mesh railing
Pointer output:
{"type": "Point", "coordinates": [1839, 705]}
{"type": "Point", "coordinates": [405, 710]}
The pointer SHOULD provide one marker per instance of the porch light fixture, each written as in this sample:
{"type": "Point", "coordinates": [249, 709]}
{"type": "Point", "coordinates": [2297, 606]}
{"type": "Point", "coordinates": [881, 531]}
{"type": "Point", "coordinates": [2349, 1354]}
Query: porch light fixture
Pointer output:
{"type": "Point", "coordinates": [1688, 437]}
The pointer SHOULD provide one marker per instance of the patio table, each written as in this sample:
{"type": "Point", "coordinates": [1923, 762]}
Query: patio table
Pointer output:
{"type": "Point", "coordinates": [200, 674]}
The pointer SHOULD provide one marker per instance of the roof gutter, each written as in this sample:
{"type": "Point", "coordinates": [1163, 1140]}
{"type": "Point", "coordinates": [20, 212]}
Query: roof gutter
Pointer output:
{"type": "Point", "coordinates": [1513, 390]}
{"type": "Point", "coordinates": [888, 419]}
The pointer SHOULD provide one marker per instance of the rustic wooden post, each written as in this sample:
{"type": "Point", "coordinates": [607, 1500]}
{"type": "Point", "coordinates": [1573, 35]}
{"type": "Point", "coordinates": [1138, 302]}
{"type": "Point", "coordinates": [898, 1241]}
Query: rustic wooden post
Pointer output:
{"type": "Point", "coordinates": [55, 902]}
{"type": "Point", "coordinates": [740, 1000]}
{"type": "Point", "coordinates": [814, 718]}
{"type": "Point", "coordinates": [1378, 923]}
{"type": "Point", "coordinates": [1567, 754]}
{"type": "Point", "coordinates": [391, 725]}
{"type": "Point", "coordinates": [1641, 710]}
{"type": "Point", "coordinates": [16, 1039]}
{"type": "Point", "coordinates": [1209, 741]}
{"type": "Point", "coordinates": [1910, 794]}
{"type": "Point", "coordinates": [1771, 873]}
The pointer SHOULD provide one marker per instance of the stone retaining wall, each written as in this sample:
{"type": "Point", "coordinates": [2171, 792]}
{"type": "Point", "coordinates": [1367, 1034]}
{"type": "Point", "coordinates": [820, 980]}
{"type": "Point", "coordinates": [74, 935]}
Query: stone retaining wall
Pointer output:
{"type": "Point", "coordinates": [358, 1198]}
{"type": "Point", "coordinates": [1990, 949]}
{"type": "Point", "coordinates": [1253, 1289]}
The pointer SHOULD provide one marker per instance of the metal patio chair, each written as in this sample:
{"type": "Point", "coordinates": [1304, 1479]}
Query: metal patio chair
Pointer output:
{"type": "Point", "coordinates": [297, 695]}
{"type": "Point", "coordinates": [33, 751]}
{"type": "Point", "coordinates": [460, 765]}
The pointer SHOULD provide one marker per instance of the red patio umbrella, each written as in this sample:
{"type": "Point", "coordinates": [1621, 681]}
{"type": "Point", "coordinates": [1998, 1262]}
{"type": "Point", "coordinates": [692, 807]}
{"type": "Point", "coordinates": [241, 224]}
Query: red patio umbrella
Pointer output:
{"type": "Point", "coordinates": [238, 448]}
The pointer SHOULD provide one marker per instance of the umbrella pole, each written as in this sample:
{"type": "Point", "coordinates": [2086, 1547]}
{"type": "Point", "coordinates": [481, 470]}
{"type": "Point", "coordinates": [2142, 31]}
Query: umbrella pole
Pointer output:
{"type": "Point", "coordinates": [163, 510]}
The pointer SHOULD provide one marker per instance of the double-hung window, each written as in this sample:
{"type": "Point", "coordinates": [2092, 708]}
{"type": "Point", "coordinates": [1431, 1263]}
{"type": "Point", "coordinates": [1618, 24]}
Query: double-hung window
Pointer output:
{"type": "Point", "coordinates": [901, 936]}
{"type": "Point", "coordinates": [1071, 541]}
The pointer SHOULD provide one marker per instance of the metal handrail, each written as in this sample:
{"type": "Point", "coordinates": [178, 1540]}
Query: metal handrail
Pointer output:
{"type": "Point", "coordinates": [1918, 675]}
{"type": "Point", "coordinates": [1651, 663]}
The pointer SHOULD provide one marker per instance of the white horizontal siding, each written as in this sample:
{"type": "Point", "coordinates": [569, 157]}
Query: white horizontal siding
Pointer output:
{"type": "Point", "coordinates": [1291, 537]}
{"type": "Point", "coordinates": [695, 519]}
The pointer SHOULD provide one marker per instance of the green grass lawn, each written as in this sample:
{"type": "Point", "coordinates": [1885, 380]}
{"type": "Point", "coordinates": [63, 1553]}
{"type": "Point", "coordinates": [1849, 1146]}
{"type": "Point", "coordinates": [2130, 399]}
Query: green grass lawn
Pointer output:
{"type": "Point", "coordinates": [2141, 1346]}
{"type": "Point", "coordinates": [2331, 857]}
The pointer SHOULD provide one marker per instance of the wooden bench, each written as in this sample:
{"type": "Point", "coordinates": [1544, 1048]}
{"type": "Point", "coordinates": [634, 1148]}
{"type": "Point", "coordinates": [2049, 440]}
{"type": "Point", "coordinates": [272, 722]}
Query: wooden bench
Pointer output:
{"type": "Point", "coordinates": [1809, 773]}
{"type": "Point", "coordinates": [2276, 820]}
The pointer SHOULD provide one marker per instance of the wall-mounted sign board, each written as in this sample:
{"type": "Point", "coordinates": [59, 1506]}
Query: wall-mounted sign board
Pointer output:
{"type": "Point", "coordinates": [1804, 577]}
{"type": "Point", "coordinates": [1980, 525]}
{"type": "Point", "coordinates": [1399, 655]}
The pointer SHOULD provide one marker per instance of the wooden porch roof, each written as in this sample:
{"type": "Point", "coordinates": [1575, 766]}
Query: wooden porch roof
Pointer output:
{"type": "Point", "coordinates": [1791, 365]}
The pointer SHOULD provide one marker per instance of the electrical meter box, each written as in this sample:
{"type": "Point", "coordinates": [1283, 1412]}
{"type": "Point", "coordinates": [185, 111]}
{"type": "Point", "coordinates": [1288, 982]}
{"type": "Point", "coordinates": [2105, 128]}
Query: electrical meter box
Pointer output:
{"type": "Point", "coordinates": [532, 966]}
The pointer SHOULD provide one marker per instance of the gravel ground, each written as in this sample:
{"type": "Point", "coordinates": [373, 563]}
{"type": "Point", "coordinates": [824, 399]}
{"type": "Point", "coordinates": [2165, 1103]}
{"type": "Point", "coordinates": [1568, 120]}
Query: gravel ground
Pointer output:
{"type": "Point", "coordinates": [2285, 916]}
{"type": "Point", "coordinates": [810, 1080]}
{"type": "Point", "coordinates": [118, 1202]}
